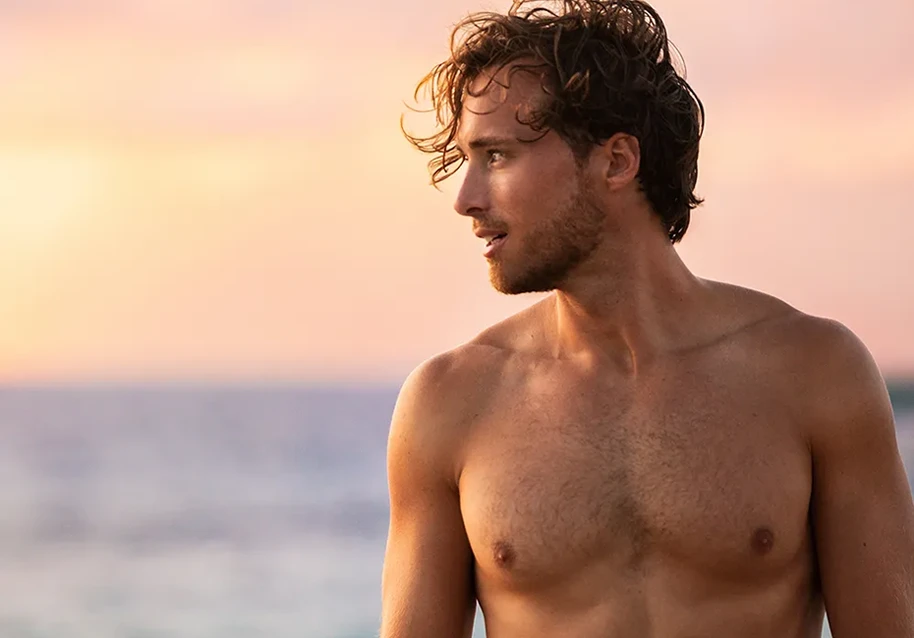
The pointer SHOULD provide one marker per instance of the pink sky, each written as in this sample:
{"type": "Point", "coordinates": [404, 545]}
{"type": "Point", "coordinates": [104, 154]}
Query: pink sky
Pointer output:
{"type": "Point", "coordinates": [222, 191]}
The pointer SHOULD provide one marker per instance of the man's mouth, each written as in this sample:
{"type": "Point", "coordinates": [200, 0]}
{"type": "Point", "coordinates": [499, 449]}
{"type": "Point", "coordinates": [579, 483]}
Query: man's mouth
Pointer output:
{"type": "Point", "coordinates": [496, 238]}
{"type": "Point", "coordinates": [493, 244]}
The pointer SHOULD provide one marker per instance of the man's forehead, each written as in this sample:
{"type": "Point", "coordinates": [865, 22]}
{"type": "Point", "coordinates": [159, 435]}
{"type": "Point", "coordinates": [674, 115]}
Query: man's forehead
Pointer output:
{"type": "Point", "coordinates": [478, 130]}
{"type": "Point", "coordinates": [494, 103]}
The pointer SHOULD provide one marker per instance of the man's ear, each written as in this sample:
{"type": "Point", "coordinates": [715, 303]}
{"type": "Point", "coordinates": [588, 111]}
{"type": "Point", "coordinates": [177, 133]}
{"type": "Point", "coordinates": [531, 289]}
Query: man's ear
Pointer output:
{"type": "Point", "coordinates": [619, 160]}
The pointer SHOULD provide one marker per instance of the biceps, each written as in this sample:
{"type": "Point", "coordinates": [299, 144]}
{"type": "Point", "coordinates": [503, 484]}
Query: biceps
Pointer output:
{"type": "Point", "coordinates": [864, 522]}
{"type": "Point", "coordinates": [428, 570]}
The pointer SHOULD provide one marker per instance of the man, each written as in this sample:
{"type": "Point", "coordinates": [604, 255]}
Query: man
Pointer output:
{"type": "Point", "coordinates": [643, 453]}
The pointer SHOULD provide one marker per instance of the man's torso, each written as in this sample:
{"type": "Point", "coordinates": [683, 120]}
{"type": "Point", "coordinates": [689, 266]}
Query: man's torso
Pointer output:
{"type": "Point", "coordinates": [674, 502]}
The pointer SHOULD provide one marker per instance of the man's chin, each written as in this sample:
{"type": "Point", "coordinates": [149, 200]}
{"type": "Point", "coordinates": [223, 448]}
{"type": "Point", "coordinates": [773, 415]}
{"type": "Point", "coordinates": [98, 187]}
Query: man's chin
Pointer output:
{"type": "Point", "coordinates": [501, 283]}
{"type": "Point", "coordinates": [515, 285]}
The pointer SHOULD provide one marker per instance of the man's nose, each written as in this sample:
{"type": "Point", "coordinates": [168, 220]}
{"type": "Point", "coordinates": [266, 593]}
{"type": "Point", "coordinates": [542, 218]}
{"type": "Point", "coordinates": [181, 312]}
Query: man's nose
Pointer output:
{"type": "Point", "coordinates": [472, 198]}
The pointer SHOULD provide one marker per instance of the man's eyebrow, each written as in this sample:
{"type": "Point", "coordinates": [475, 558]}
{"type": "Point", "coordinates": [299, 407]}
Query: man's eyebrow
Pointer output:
{"type": "Point", "coordinates": [487, 141]}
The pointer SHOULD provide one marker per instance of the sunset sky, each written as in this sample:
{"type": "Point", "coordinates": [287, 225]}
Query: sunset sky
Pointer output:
{"type": "Point", "coordinates": [220, 190]}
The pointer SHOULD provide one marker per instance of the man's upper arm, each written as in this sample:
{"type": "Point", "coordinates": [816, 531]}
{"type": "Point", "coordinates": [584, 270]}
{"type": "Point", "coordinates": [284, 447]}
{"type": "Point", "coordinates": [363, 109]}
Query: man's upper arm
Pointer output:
{"type": "Point", "coordinates": [427, 581]}
{"type": "Point", "coordinates": [863, 514]}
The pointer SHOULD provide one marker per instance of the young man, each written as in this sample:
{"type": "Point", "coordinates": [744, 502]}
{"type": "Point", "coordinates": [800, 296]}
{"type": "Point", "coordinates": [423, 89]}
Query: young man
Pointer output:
{"type": "Point", "coordinates": [643, 453]}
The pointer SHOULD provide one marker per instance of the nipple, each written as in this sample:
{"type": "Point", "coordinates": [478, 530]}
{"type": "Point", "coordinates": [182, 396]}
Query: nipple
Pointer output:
{"type": "Point", "coordinates": [504, 554]}
{"type": "Point", "coordinates": [763, 540]}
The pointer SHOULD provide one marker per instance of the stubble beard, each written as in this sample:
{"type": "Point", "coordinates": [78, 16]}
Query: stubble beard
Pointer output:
{"type": "Point", "coordinates": [553, 250]}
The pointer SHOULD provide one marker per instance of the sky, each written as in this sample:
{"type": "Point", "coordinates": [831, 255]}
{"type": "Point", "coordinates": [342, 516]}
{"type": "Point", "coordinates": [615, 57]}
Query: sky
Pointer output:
{"type": "Point", "coordinates": [219, 190]}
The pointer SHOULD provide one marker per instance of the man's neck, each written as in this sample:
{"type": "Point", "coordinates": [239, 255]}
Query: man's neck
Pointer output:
{"type": "Point", "coordinates": [625, 307]}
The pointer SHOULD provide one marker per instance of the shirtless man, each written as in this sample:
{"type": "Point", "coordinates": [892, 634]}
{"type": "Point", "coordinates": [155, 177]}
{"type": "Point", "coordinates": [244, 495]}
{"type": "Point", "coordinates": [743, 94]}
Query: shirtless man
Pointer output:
{"type": "Point", "coordinates": [643, 453]}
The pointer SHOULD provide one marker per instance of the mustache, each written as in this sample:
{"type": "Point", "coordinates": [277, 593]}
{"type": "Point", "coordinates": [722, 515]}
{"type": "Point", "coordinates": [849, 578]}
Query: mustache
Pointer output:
{"type": "Point", "coordinates": [489, 224]}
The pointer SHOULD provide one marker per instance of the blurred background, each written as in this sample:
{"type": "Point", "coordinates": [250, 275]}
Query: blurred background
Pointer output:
{"type": "Point", "coordinates": [219, 259]}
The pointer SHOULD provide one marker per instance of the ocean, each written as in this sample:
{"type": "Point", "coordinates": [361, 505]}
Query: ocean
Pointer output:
{"type": "Point", "coordinates": [200, 512]}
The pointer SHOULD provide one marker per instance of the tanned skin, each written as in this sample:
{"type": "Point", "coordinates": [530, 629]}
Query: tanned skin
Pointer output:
{"type": "Point", "coordinates": [643, 453]}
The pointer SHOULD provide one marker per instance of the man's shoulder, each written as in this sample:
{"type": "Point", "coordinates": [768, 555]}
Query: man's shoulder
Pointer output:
{"type": "Point", "coordinates": [458, 380]}
{"type": "Point", "coordinates": [486, 353]}
{"type": "Point", "coordinates": [839, 387]}
{"type": "Point", "coordinates": [769, 322]}
{"type": "Point", "coordinates": [442, 398]}
{"type": "Point", "coordinates": [819, 361]}
{"type": "Point", "coordinates": [838, 373]}
{"type": "Point", "coordinates": [454, 373]}
{"type": "Point", "coordinates": [814, 345]}
{"type": "Point", "coordinates": [451, 383]}
{"type": "Point", "coordinates": [432, 413]}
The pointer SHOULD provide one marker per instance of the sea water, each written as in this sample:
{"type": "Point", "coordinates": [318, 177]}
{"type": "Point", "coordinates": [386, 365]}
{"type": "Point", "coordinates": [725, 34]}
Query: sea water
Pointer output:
{"type": "Point", "coordinates": [197, 512]}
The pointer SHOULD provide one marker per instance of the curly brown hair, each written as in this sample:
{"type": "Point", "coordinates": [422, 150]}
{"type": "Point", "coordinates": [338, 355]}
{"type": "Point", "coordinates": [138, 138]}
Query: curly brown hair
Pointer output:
{"type": "Point", "coordinates": [607, 68]}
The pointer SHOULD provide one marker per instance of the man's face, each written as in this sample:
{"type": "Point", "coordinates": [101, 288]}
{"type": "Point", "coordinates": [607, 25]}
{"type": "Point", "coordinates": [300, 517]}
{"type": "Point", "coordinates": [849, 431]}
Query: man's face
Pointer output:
{"type": "Point", "coordinates": [531, 197]}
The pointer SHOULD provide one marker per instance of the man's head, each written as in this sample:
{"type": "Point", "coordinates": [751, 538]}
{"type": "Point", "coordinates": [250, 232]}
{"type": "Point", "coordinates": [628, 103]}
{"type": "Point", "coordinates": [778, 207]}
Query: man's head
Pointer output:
{"type": "Point", "coordinates": [554, 86]}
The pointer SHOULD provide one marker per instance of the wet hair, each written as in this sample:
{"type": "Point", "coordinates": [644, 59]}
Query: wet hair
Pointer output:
{"type": "Point", "coordinates": [606, 68]}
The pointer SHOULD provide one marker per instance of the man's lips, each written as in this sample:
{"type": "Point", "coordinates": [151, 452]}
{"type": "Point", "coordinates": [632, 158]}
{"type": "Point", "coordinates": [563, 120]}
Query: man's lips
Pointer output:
{"type": "Point", "coordinates": [489, 233]}
{"type": "Point", "coordinates": [493, 244]}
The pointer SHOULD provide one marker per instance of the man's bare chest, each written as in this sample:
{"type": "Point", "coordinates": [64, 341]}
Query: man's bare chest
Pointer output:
{"type": "Point", "coordinates": [553, 484]}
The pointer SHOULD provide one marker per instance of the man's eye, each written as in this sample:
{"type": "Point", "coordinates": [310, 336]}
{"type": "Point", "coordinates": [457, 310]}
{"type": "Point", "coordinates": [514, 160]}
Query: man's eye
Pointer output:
{"type": "Point", "coordinates": [495, 156]}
